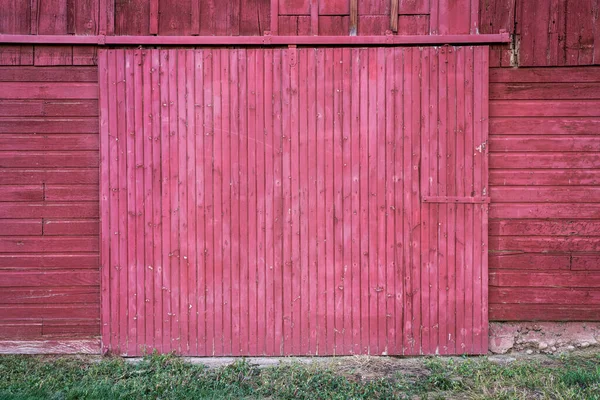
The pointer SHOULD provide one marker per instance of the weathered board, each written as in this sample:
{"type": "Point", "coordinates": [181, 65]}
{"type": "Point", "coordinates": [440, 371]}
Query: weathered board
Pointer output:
{"type": "Point", "coordinates": [544, 175]}
{"type": "Point", "coordinates": [49, 243]}
{"type": "Point", "coordinates": [269, 202]}
{"type": "Point", "coordinates": [546, 32]}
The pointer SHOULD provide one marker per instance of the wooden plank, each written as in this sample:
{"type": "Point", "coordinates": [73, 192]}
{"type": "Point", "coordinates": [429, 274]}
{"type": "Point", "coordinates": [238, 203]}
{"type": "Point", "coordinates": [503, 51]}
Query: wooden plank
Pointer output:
{"type": "Point", "coordinates": [540, 160]}
{"type": "Point", "coordinates": [49, 261]}
{"type": "Point", "coordinates": [48, 125]}
{"type": "Point", "coordinates": [14, 176]}
{"type": "Point", "coordinates": [539, 211]}
{"type": "Point", "coordinates": [555, 194]}
{"type": "Point", "coordinates": [544, 279]}
{"type": "Point", "coordinates": [45, 210]}
{"type": "Point", "coordinates": [545, 91]}
{"type": "Point", "coordinates": [585, 262]}
{"type": "Point", "coordinates": [50, 347]}
{"type": "Point", "coordinates": [175, 18]}
{"type": "Point", "coordinates": [53, 55]}
{"type": "Point", "coordinates": [16, 17]}
{"type": "Point", "coordinates": [49, 311]}
{"type": "Point", "coordinates": [545, 243]}
{"type": "Point", "coordinates": [20, 227]}
{"type": "Point", "coordinates": [545, 75]}
{"type": "Point", "coordinates": [154, 17]}
{"type": "Point", "coordinates": [26, 330]}
{"type": "Point", "coordinates": [49, 278]}
{"type": "Point", "coordinates": [527, 261]}
{"type": "Point", "coordinates": [533, 143]}
{"type": "Point", "coordinates": [71, 193]}
{"type": "Point", "coordinates": [56, 244]}
{"type": "Point", "coordinates": [16, 55]}
{"type": "Point", "coordinates": [413, 24]}
{"type": "Point", "coordinates": [41, 108]}
{"type": "Point", "coordinates": [544, 228]}
{"type": "Point", "coordinates": [48, 74]}
{"type": "Point", "coordinates": [414, 7]}
{"type": "Point", "coordinates": [353, 28]}
{"type": "Point", "coordinates": [294, 7]}
{"type": "Point", "coordinates": [52, 142]}
{"type": "Point", "coordinates": [542, 312]}
{"type": "Point", "coordinates": [334, 25]}
{"type": "Point", "coordinates": [554, 296]}
{"type": "Point", "coordinates": [393, 18]}
{"type": "Point", "coordinates": [22, 193]}
{"type": "Point", "coordinates": [71, 227]}
{"type": "Point", "coordinates": [544, 108]}
{"type": "Point", "coordinates": [541, 177]}
{"type": "Point", "coordinates": [49, 90]}
{"type": "Point", "coordinates": [129, 17]}
{"type": "Point", "coordinates": [335, 7]}
{"type": "Point", "coordinates": [55, 295]}
{"type": "Point", "coordinates": [55, 159]}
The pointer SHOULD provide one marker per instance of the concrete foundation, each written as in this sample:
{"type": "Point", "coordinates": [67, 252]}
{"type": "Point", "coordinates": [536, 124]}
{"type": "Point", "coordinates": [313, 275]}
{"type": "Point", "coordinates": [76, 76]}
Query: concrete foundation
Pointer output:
{"type": "Point", "coordinates": [542, 337]}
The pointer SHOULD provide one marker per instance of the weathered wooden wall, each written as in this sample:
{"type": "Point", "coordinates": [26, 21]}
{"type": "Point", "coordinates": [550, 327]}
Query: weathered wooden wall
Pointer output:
{"type": "Point", "coordinates": [268, 201]}
{"type": "Point", "coordinates": [240, 17]}
{"type": "Point", "coordinates": [545, 177]}
{"type": "Point", "coordinates": [49, 267]}
{"type": "Point", "coordinates": [546, 32]}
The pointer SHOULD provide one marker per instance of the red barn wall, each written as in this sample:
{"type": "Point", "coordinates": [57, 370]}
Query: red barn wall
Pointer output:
{"type": "Point", "coordinates": [49, 261]}
{"type": "Point", "coordinates": [240, 17]}
{"type": "Point", "coordinates": [544, 175]}
{"type": "Point", "coordinates": [546, 32]}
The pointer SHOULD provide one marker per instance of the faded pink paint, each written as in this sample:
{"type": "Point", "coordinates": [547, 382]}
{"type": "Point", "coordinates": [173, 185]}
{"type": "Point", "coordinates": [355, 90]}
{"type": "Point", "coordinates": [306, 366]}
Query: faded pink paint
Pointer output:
{"type": "Point", "coordinates": [288, 225]}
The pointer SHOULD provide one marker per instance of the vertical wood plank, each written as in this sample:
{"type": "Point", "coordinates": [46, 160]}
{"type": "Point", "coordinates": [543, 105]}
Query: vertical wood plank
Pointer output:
{"type": "Point", "coordinates": [364, 200]}
{"type": "Point", "coordinates": [155, 136]}
{"type": "Point", "coordinates": [372, 202]}
{"type": "Point", "coordinates": [426, 183]}
{"type": "Point", "coordinates": [346, 231]}
{"type": "Point", "coordinates": [105, 236]}
{"type": "Point", "coordinates": [270, 193]}
{"type": "Point", "coordinates": [380, 203]}
{"type": "Point", "coordinates": [469, 190]}
{"type": "Point", "coordinates": [321, 308]}
{"type": "Point", "coordinates": [234, 126]}
{"type": "Point", "coordinates": [278, 206]}
{"type": "Point", "coordinates": [252, 199]}
{"type": "Point", "coordinates": [226, 201]}
{"type": "Point", "coordinates": [244, 205]}
{"type": "Point", "coordinates": [389, 213]}
{"type": "Point", "coordinates": [260, 228]}
{"type": "Point", "coordinates": [294, 206]}
{"type": "Point", "coordinates": [191, 264]}
{"type": "Point", "coordinates": [139, 166]}
{"type": "Point", "coordinates": [209, 199]}
{"type": "Point", "coordinates": [303, 166]}
{"type": "Point", "coordinates": [354, 138]}
{"type": "Point", "coordinates": [337, 212]}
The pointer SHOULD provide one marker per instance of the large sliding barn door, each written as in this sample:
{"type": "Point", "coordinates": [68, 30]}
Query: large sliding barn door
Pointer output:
{"type": "Point", "coordinates": [293, 201]}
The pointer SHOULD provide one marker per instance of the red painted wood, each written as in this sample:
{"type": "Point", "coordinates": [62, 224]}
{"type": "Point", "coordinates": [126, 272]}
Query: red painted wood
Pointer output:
{"type": "Point", "coordinates": [48, 261]}
{"type": "Point", "coordinates": [20, 227]}
{"type": "Point", "coordinates": [58, 133]}
{"type": "Point", "coordinates": [544, 211]}
{"type": "Point", "coordinates": [285, 227]}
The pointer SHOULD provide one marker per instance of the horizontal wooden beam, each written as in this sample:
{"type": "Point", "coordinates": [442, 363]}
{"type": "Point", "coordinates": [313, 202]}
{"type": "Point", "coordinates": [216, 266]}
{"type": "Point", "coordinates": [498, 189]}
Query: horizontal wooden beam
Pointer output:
{"type": "Point", "coordinates": [455, 199]}
{"type": "Point", "coordinates": [267, 40]}
{"type": "Point", "coordinates": [89, 346]}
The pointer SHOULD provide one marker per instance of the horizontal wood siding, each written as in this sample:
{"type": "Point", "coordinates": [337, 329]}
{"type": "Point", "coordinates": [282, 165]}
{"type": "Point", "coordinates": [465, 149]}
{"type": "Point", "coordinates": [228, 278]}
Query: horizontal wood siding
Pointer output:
{"type": "Point", "coordinates": [49, 244]}
{"type": "Point", "coordinates": [267, 201]}
{"type": "Point", "coordinates": [544, 176]}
